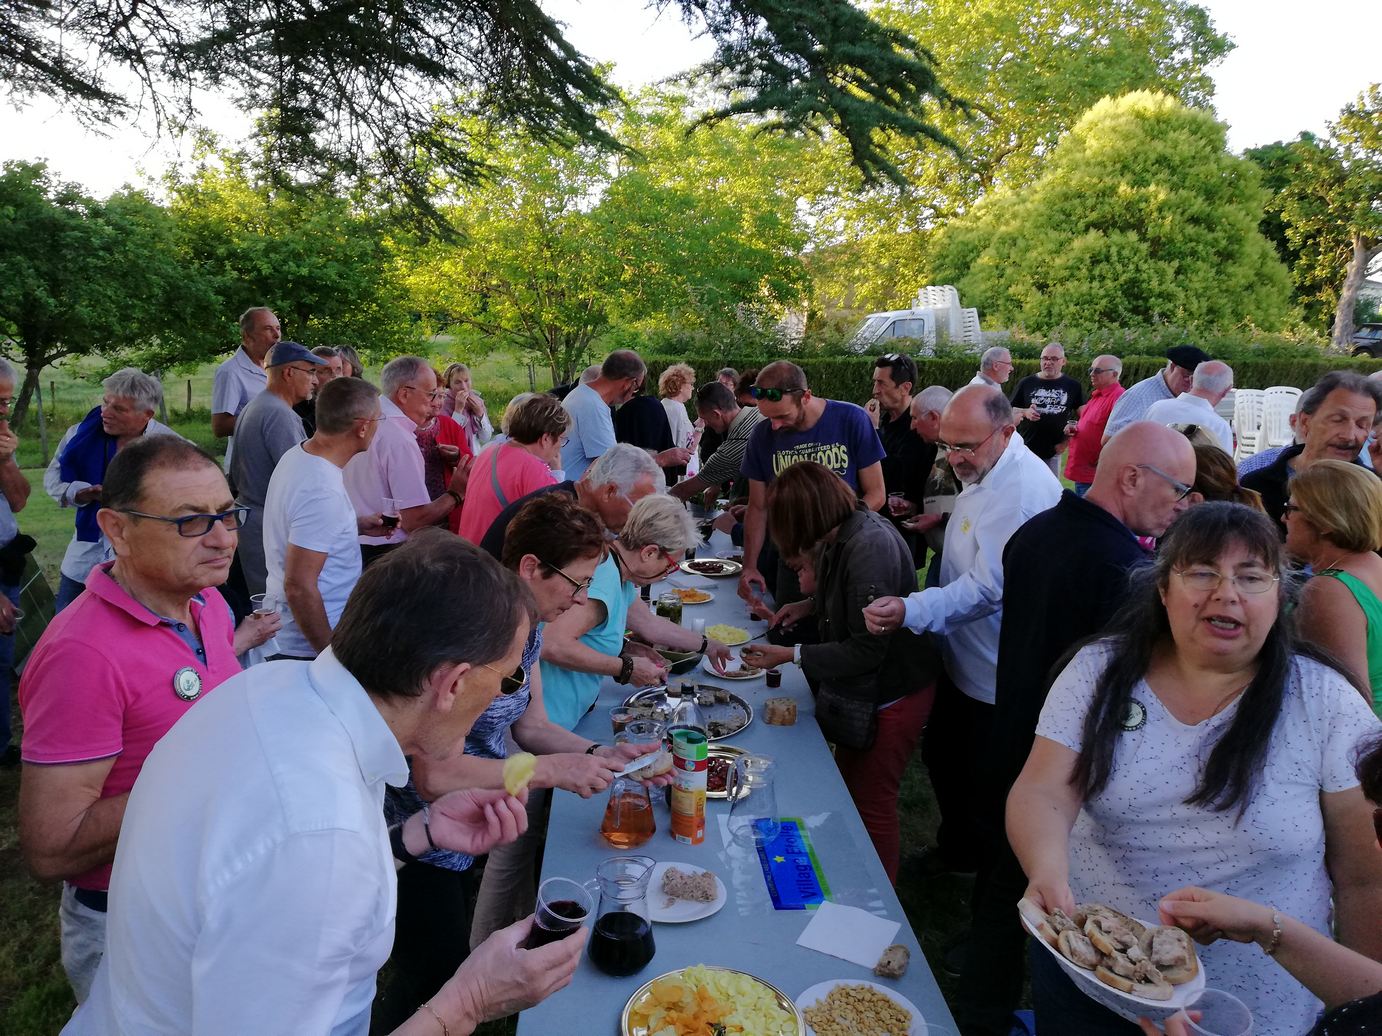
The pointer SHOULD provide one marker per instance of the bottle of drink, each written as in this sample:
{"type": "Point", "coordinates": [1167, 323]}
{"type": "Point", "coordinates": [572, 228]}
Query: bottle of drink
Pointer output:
{"type": "Point", "coordinates": [686, 714]}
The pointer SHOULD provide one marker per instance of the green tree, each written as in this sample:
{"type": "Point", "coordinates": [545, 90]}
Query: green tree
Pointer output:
{"type": "Point", "coordinates": [1031, 70]}
{"type": "Point", "coordinates": [365, 88]}
{"type": "Point", "coordinates": [1331, 206]}
{"type": "Point", "coordinates": [79, 275]}
{"type": "Point", "coordinates": [318, 262]}
{"type": "Point", "coordinates": [1140, 217]}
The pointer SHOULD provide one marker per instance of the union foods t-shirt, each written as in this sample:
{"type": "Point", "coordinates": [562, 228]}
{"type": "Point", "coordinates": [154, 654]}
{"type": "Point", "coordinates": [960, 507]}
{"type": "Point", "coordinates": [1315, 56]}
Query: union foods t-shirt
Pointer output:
{"type": "Point", "coordinates": [844, 440]}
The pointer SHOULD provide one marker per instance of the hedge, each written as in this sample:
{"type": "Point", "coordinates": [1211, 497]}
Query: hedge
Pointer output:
{"type": "Point", "coordinates": [850, 377]}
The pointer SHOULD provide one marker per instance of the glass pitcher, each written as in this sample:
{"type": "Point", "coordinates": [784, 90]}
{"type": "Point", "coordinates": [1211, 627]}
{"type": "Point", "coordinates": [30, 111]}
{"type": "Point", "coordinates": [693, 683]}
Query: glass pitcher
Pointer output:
{"type": "Point", "coordinates": [622, 941]}
{"type": "Point", "coordinates": [628, 821]}
{"type": "Point", "coordinates": [753, 816]}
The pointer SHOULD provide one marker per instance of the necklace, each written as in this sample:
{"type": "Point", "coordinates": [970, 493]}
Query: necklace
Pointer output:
{"type": "Point", "coordinates": [1333, 566]}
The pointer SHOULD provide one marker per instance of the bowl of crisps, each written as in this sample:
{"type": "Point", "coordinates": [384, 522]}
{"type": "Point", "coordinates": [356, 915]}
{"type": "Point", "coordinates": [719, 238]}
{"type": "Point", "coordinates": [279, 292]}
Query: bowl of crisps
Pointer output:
{"type": "Point", "coordinates": [704, 998]}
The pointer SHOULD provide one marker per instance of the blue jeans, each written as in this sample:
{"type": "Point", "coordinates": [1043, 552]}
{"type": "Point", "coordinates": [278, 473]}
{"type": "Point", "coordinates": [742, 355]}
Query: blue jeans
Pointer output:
{"type": "Point", "coordinates": [68, 589]}
{"type": "Point", "coordinates": [1081, 488]}
{"type": "Point", "coordinates": [10, 590]}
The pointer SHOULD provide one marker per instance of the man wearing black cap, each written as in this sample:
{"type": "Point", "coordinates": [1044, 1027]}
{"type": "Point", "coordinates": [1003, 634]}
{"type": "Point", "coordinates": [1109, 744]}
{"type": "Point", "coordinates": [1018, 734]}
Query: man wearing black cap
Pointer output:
{"type": "Point", "coordinates": [1181, 361]}
{"type": "Point", "coordinates": [265, 430]}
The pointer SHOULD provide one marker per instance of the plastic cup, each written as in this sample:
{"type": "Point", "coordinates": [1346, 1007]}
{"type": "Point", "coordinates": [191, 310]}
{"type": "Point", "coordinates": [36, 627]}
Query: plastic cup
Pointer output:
{"type": "Point", "coordinates": [620, 717]}
{"type": "Point", "coordinates": [1221, 1014]}
{"type": "Point", "coordinates": [263, 604]}
{"type": "Point", "coordinates": [562, 907]}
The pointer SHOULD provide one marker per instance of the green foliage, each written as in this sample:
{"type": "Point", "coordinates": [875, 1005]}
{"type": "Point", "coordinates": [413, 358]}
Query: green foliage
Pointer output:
{"type": "Point", "coordinates": [320, 265]}
{"type": "Point", "coordinates": [1030, 71]}
{"type": "Point", "coordinates": [80, 276]}
{"type": "Point", "coordinates": [1141, 217]}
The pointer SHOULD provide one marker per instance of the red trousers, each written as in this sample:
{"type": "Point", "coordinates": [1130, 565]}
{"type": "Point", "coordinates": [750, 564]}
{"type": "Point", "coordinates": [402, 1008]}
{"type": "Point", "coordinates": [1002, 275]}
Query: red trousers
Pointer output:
{"type": "Point", "coordinates": [874, 775]}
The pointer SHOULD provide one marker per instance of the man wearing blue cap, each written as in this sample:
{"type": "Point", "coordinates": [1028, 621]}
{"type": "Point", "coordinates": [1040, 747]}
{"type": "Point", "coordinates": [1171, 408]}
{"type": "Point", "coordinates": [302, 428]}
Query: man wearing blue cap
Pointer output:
{"type": "Point", "coordinates": [265, 430]}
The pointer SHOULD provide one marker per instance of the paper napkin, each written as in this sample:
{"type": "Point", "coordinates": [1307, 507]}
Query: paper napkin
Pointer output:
{"type": "Point", "coordinates": [849, 933]}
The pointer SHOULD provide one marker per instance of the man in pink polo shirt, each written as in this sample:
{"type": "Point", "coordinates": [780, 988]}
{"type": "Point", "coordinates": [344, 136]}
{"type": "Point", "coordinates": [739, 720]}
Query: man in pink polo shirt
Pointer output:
{"type": "Point", "coordinates": [116, 669]}
{"type": "Point", "coordinates": [389, 478]}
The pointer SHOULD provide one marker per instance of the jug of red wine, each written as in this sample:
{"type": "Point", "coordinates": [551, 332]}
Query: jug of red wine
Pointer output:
{"type": "Point", "coordinates": [622, 941]}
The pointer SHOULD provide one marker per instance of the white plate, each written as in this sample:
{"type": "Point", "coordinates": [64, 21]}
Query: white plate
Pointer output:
{"type": "Point", "coordinates": [696, 604]}
{"type": "Point", "coordinates": [821, 990]}
{"type": "Point", "coordinates": [666, 910]}
{"type": "Point", "coordinates": [1125, 1005]}
{"type": "Point", "coordinates": [734, 659]}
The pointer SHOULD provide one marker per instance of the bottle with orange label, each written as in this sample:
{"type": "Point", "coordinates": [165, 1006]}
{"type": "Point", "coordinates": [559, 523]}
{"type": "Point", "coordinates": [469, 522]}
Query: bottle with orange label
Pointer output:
{"type": "Point", "coordinates": [689, 762]}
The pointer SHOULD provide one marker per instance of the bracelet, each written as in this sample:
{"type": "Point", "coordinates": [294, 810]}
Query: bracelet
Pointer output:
{"type": "Point", "coordinates": [427, 827]}
{"type": "Point", "coordinates": [705, 643]}
{"type": "Point", "coordinates": [454, 496]}
{"type": "Point", "coordinates": [625, 669]}
{"type": "Point", "coordinates": [400, 851]}
{"type": "Point", "coordinates": [440, 1021]}
{"type": "Point", "coordinates": [593, 749]}
{"type": "Point", "coordinates": [1271, 948]}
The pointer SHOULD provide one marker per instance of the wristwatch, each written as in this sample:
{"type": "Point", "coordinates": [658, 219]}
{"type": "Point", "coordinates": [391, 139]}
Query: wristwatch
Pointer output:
{"type": "Point", "coordinates": [400, 851]}
{"type": "Point", "coordinates": [625, 669]}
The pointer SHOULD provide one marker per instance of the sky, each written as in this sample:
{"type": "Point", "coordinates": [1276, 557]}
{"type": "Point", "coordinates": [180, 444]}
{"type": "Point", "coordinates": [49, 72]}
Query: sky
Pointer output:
{"type": "Point", "coordinates": [1294, 67]}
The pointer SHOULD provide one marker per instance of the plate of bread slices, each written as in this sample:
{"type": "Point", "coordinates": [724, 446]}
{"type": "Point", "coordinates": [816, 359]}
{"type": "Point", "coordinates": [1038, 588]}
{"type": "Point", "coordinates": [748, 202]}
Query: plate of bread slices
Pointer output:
{"type": "Point", "coordinates": [1133, 968]}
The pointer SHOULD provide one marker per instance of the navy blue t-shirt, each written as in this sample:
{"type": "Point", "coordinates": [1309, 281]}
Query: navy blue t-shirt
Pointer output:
{"type": "Point", "coordinates": [844, 440]}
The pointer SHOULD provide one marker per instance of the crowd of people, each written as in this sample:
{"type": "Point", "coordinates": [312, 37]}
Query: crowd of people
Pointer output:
{"type": "Point", "coordinates": [1159, 689]}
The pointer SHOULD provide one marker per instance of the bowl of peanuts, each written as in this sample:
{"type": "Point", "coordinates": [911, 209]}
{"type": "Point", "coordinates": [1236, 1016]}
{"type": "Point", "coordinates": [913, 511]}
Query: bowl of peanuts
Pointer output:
{"type": "Point", "coordinates": [842, 1007]}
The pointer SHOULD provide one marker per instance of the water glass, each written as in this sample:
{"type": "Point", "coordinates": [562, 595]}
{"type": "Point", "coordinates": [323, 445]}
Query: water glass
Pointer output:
{"type": "Point", "coordinates": [1221, 1014]}
{"type": "Point", "coordinates": [753, 816]}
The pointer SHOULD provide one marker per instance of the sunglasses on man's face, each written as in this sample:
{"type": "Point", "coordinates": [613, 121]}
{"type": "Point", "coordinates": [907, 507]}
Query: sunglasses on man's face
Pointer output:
{"type": "Point", "coordinates": [511, 684]}
{"type": "Point", "coordinates": [772, 395]}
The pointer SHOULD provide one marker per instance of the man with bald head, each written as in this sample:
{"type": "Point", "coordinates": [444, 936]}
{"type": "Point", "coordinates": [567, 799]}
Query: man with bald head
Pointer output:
{"type": "Point", "coordinates": [1065, 572]}
{"type": "Point", "coordinates": [1210, 383]}
{"type": "Point", "coordinates": [1004, 486]}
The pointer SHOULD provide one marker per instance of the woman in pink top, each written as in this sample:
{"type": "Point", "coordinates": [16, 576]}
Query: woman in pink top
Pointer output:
{"type": "Point", "coordinates": [505, 471]}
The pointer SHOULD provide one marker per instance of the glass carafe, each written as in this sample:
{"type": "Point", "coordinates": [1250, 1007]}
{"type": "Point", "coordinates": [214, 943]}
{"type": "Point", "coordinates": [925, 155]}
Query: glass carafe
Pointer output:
{"type": "Point", "coordinates": [622, 942]}
{"type": "Point", "coordinates": [753, 817]}
{"type": "Point", "coordinates": [628, 821]}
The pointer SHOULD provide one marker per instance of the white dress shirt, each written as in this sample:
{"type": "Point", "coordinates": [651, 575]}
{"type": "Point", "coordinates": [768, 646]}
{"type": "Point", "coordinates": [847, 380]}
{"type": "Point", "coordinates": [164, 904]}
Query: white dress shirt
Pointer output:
{"type": "Point", "coordinates": [1188, 409]}
{"type": "Point", "coordinates": [254, 887]}
{"type": "Point", "coordinates": [966, 609]}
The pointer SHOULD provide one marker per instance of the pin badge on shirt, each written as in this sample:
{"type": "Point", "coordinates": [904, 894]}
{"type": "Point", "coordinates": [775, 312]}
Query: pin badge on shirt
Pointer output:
{"type": "Point", "coordinates": [187, 683]}
{"type": "Point", "coordinates": [1136, 716]}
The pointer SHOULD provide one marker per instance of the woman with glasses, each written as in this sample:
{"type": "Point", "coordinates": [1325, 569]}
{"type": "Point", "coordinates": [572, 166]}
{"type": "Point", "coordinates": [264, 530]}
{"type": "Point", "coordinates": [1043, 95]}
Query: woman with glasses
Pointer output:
{"type": "Point", "coordinates": [445, 451]}
{"type": "Point", "coordinates": [1199, 742]}
{"type": "Point", "coordinates": [554, 547]}
{"type": "Point", "coordinates": [1334, 525]}
{"type": "Point", "coordinates": [506, 471]}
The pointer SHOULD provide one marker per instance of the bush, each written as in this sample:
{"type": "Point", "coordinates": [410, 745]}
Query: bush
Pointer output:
{"type": "Point", "coordinates": [850, 377]}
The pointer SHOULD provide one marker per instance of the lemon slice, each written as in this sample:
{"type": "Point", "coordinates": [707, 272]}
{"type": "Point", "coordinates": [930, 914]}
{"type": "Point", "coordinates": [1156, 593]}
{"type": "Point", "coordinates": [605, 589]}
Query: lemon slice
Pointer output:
{"type": "Point", "coordinates": [518, 771]}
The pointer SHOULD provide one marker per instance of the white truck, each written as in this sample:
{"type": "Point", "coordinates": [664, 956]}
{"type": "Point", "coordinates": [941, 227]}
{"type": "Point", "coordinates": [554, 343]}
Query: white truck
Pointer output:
{"type": "Point", "coordinates": [936, 307]}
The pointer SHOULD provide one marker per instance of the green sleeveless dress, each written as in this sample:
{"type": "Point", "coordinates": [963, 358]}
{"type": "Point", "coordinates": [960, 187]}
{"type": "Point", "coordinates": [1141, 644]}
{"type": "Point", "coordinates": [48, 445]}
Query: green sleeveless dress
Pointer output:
{"type": "Point", "coordinates": [1372, 614]}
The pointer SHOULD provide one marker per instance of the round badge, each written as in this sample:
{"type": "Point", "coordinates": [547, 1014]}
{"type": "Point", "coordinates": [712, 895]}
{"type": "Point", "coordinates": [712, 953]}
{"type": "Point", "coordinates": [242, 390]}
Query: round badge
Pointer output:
{"type": "Point", "coordinates": [187, 683]}
{"type": "Point", "coordinates": [1136, 716]}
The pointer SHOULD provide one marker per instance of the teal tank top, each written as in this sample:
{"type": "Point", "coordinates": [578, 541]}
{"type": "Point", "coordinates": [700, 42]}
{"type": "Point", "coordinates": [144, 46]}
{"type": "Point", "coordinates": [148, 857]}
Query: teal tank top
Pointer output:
{"type": "Point", "coordinates": [1372, 614]}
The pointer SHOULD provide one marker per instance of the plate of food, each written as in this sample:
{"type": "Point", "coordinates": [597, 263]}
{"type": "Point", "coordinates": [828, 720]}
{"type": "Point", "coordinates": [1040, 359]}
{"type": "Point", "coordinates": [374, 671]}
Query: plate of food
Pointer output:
{"type": "Point", "coordinates": [735, 669]}
{"type": "Point", "coordinates": [855, 1006]}
{"type": "Point", "coordinates": [720, 760]}
{"type": "Point", "coordinates": [681, 892]}
{"type": "Point", "coordinates": [1135, 969]}
{"type": "Point", "coordinates": [716, 568]}
{"type": "Point", "coordinates": [725, 712]}
{"type": "Point", "coordinates": [691, 595]}
{"type": "Point", "coordinates": [703, 999]}
{"type": "Point", "coordinates": [730, 636]}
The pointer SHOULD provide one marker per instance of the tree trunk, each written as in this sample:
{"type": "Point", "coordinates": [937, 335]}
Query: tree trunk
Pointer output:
{"type": "Point", "coordinates": [1364, 251]}
{"type": "Point", "coordinates": [26, 392]}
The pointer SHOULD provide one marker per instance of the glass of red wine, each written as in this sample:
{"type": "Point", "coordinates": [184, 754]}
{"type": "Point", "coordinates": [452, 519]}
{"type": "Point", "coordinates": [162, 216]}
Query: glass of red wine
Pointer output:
{"type": "Point", "coordinates": [390, 515]}
{"type": "Point", "coordinates": [562, 907]}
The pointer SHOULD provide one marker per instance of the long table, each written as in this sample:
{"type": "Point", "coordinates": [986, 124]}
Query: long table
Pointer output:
{"type": "Point", "coordinates": [747, 933]}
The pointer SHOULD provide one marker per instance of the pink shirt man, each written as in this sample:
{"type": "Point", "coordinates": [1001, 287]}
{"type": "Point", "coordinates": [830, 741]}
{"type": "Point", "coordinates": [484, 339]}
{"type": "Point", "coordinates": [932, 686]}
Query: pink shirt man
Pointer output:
{"type": "Point", "coordinates": [110, 678]}
{"type": "Point", "coordinates": [391, 468]}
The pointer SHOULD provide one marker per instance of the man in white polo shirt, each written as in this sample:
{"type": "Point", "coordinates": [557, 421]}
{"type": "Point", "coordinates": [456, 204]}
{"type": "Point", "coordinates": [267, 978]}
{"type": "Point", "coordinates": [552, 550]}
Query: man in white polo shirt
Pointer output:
{"type": "Point", "coordinates": [389, 478]}
{"type": "Point", "coordinates": [1208, 386]}
{"type": "Point", "coordinates": [310, 526]}
{"type": "Point", "coordinates": [242, 377]}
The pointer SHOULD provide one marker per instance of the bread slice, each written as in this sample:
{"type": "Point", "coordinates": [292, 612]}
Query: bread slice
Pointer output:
{"type": "Point", "coordinates": [1171, 950]}
{"type": "Point", "coordinates": [893, 963]}
{"type": "Point", "coordinates": [1149, 990]}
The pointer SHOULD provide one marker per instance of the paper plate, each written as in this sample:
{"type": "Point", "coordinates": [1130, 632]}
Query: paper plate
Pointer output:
{"type": "Point", "coordinates": [821, 990]}
{"type": "Point", "coordinates": [1125, 1005]}
{"type": "Point", "coordinates": [666, 910]}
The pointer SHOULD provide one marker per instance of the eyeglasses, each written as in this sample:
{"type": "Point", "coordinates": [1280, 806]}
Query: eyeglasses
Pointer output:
{"type": "Point", "coordinates": [1102, 370]}
{"type": "Point", "coordinates": [672, 563]}
{"type": "Point", "coordinates": [434, 395]}
{"type": "Point", "coordinates": [577, 586]}
{"type": "Point", "coordinates": [511, 684]}
{"type": "Point", "coordinates": [1207, 580]}
{"type": "Point", "coordinates": [303, 370]}
{"type": "Point", "coordinates": [772, 395]}
{"type": "Point", "coordinates": [195, 525]}
{"type": "Point", "coordinates": [971, 450]}
{"type": "Point", "coordinates": [1181, 488]}
{"type": "Point", "coordinates": [1289, 508]}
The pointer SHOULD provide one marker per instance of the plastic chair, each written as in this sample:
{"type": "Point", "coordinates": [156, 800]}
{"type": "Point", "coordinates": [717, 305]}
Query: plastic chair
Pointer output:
{"type": "Point", "coordinates": [1247, 422]}
{"type": "Point", "coordinates": [1278, 404]}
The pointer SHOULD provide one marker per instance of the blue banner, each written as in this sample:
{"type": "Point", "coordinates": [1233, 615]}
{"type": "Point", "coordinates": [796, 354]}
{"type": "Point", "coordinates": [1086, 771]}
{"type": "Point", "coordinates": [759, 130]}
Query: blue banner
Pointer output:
{"type": "Point", "coordinates": [791, 870]}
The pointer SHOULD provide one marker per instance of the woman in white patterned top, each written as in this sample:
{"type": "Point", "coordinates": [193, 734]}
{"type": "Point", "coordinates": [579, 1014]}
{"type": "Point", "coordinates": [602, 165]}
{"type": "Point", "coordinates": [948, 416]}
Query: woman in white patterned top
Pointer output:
{"type": "Point", "coordinates": [1198, 743]}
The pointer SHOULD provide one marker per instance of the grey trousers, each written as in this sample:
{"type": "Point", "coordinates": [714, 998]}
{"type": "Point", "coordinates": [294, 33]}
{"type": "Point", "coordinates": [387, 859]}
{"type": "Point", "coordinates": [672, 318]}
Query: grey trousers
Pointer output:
{"type": "Point", "coordinates": [508, 890]}
{"type": "Point", "coordinates": [83, 941]}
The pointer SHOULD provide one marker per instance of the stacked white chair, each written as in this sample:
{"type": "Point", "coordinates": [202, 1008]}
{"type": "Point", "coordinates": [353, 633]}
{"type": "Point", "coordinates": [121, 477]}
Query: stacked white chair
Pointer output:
{"type": "Point", "coordinates": [1278, 404]}
{"type": "Point", "coordinates": [1247, 422]}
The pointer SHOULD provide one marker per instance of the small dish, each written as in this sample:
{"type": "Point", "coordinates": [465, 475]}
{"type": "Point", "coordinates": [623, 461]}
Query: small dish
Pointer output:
{"type": "Point", "coordinates": [821, 990]}
{"type": "Point", "coordinates": [663, 909]}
